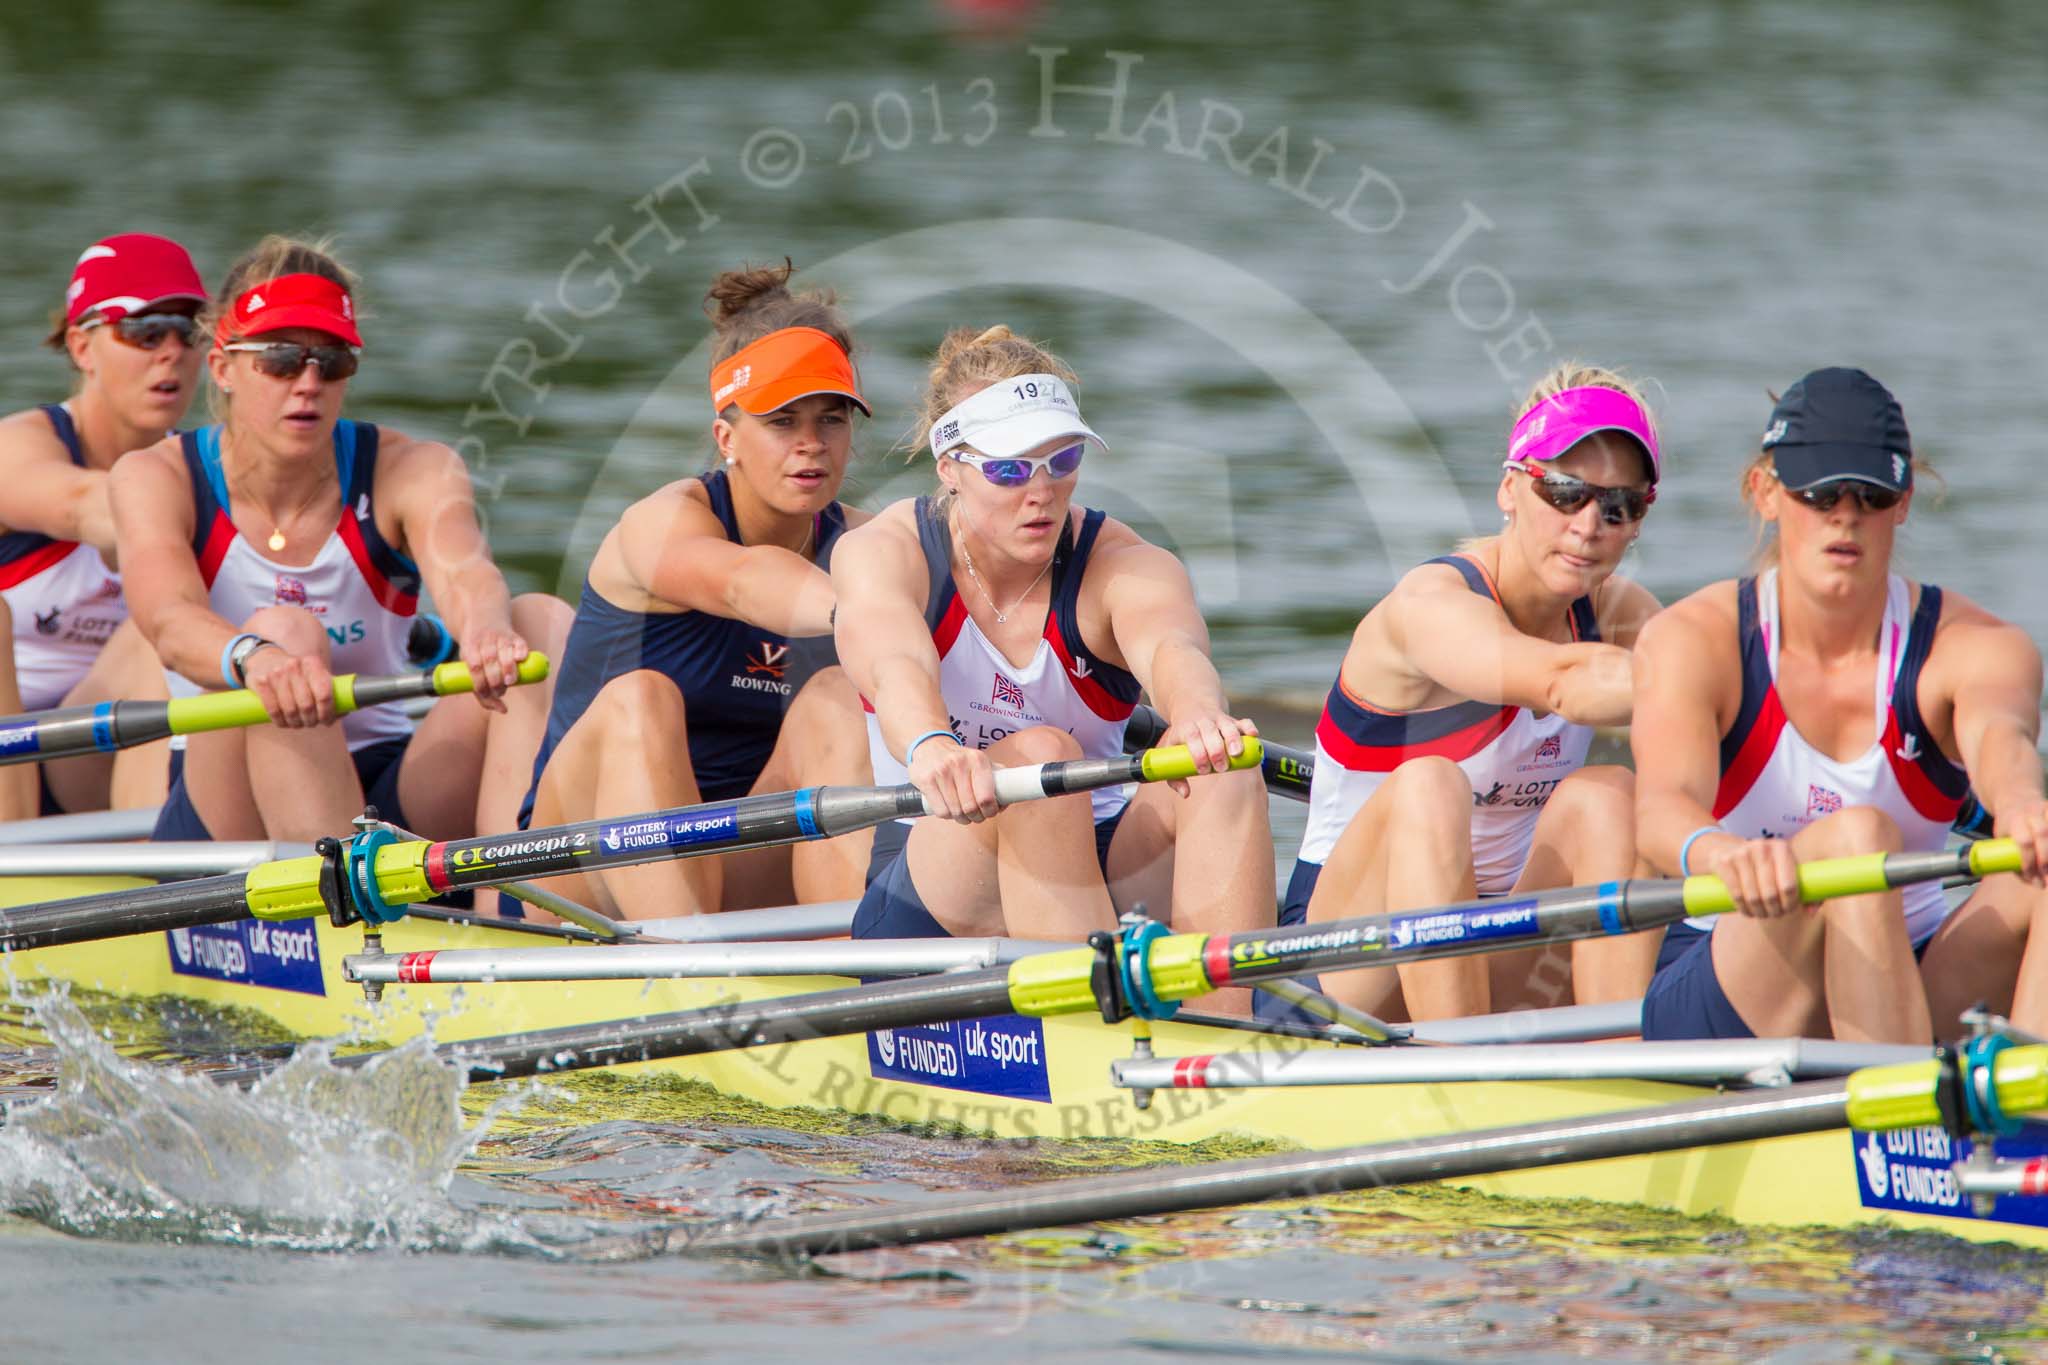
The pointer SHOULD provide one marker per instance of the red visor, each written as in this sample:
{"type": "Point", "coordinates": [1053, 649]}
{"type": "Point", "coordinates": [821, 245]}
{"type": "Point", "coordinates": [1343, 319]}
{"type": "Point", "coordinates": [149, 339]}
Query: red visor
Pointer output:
{"type": "Point", "coordinates": [782, 367]}
{"type": "Point", "coordinates": [293, 301]}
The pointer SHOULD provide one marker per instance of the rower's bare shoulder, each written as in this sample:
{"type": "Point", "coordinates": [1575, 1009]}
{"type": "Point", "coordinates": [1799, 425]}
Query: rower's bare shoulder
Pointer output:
{"type": "Point", "coordinates": [150, 466]}
{"type": "Point", "coordinates": [28, 435]}
{"type": "Point", "coordinates": [1696, 625]}
{"type": "Point", "coordinates": [856, 517]}
{"type": "Point", "coordinates": [1967, 630]}
{"type": "Point", "coordinates": [681, 508]}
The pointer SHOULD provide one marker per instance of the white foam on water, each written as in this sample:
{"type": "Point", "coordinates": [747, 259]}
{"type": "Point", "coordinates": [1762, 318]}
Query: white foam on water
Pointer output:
{"type": "Point", "coordinates": [313, 1157]}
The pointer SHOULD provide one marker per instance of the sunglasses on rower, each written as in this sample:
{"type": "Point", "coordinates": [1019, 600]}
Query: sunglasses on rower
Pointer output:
{"type": "Point", "coordinates": [287, 359]}
{"type": "Point", "coordinates": [1822, 497]}
{"type": "Point", "coordinates": [1016, 471]}
{"type": "Point", "coordinates": [147, 331]}
{"type": "Point", "coordinates": [1568, 494]}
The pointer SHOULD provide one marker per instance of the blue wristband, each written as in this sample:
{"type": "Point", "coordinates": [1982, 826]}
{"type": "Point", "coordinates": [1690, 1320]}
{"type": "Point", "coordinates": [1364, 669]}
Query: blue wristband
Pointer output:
{"type": "Point", "coordinates": [911, 752]}
{"type": "Point", "coordinates": [1685, 849]}
{"type": "Point", "coordinates": [227, 667]}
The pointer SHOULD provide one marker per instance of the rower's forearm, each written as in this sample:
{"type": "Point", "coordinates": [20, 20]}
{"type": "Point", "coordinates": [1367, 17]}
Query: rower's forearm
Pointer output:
{"type": "Point", "coordinates": [782, 592]}
{"type": "Point", "coordinates": [474, 599]}
{"type": "Point", "coordinates": [2008, 771]}
{"type": "Point", "coordinates": [1664, 822]}
{"type": "Point", "coordinates": [190, 639]}
{"type": "Point", "coordinates": [1184, 679]}
{"type": "Point", "coordinates": [908, 703]}
{"type": "Point", "coordinates": [1595, 687]}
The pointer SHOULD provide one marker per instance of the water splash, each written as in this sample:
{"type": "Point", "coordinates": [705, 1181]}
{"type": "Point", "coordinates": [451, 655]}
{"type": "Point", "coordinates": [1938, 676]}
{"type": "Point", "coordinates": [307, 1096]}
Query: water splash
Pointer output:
{"type": "Point", "coordinates": [313, 1157]}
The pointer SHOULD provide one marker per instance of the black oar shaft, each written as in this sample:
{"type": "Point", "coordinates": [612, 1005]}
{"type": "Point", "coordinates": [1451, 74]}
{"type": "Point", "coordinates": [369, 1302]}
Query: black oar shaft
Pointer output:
{"type": "Point", "coordinates": [747, 822]}
{"type": "Point", "coordinates": [1489, 925]}
{"type": "Point", "coordinates": [720, 1028]}
{"type": "Point", "coordinates": [142, 910]}
{"type": "Point", "coordinates": [1813, 1107]}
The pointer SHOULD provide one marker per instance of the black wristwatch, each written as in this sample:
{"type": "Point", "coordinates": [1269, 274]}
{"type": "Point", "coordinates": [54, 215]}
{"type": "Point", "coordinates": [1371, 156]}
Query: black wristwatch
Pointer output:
{"type": "Point", "coordinates": [240, 652]}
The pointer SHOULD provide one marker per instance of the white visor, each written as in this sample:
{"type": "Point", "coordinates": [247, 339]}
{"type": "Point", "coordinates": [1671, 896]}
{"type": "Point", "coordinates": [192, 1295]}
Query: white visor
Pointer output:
{"type": "Point", "coordinates": [1012, 416]}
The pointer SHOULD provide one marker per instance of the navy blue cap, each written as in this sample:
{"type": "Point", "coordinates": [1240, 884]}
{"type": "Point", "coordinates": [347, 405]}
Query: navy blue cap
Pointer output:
{"type": "Point", "coordinates": [1840, 424]}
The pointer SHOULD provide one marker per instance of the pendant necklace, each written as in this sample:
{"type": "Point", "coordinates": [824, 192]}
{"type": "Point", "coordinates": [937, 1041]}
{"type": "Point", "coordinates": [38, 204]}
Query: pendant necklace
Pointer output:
{"type": "Point", "coordinates": [1001, 615]}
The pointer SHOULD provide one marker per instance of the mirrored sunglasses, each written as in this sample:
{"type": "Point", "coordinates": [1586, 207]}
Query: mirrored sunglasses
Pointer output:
{"type": "Point", "coordinates": [287, 359]}
{"type": "Point", "coordinates": [1567, 495]}
{"type": "Point", "coordinates": [1822, 497]}
{"type": "Point", "coordinates": [1016, 471]}
{"type": "Point", "coordinates": [147, 331]}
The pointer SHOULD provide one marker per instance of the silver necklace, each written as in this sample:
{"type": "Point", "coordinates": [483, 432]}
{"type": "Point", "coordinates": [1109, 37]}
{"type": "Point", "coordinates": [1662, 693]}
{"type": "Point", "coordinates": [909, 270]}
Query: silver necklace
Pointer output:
{"type": "Point", "coordinates": [1001, 615]}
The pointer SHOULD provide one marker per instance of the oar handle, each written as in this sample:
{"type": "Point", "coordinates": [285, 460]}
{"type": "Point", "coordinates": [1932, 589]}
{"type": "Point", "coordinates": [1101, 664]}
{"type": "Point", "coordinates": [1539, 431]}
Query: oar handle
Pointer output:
{"type": "Point", "coordinates": [352, 692]}
{"type": "Point", "coordinates": [1289, 771]}
{"type": "Point", "coordinates": [1865, 874]}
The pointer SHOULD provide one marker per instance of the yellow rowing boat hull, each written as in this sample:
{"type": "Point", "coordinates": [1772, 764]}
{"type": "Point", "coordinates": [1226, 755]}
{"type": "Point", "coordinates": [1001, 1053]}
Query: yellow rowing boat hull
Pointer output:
{"type": "Point", "coordinates": [1027, 1078]}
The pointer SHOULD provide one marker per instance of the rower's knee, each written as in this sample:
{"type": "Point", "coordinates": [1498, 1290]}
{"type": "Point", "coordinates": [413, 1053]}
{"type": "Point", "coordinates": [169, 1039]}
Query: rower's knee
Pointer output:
{"type": "Point", "coordinates": [1039, 744]}
{"type": "Point", "coordinates": [1600, 801]}
{"type": "Point", "coordinates": [1857, 829]}
{"type": "Point", "coordinates": [1426, 790]}
{"type": "Point", "coordinates": [828, 699]}
{"type": "Point", "coordinates": [295, 629]}
{"type": "Point", "coordinates": [643, 705]}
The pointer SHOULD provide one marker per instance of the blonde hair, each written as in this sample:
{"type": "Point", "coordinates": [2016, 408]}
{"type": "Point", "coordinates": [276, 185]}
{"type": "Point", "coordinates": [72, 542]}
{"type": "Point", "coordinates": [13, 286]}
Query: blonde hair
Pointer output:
{"type": "Point", "coordinates": [272, 258]}
{"type": "Point", "coordinates": [968, 362]}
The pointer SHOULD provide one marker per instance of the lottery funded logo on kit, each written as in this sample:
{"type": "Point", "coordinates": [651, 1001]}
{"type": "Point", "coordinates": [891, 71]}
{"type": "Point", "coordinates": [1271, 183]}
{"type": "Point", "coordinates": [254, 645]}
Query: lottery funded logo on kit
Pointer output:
{"type": "Point", "coordinates": [251, 952]}
{"type": "Point", "coordinates": [1913, 1171]}
{"type": "Point", "coordinates": [715, 825]}
{"type": "Point", "coordinates": [1001, 1055]}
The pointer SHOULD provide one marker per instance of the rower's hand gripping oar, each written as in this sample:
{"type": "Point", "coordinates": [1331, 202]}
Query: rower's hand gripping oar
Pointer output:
{"type": "Point", "coordinates": [375, 875]}
{"type": "Point", "coordinates": [109, 725]}
{"type": "Point", "coordinates": [1288, 771]}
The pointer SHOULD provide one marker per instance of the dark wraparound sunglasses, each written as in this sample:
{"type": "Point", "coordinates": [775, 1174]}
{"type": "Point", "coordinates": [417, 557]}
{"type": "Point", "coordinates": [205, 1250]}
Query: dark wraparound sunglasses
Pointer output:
{"type": "Point", "coordinates": [147, 331]}
{"type": "Point", "coordinates": [1567, 495]}
{"type": "Point", "coordinates": [286, 359]}
{"type": "Point", "coordinates": [1822, 497]}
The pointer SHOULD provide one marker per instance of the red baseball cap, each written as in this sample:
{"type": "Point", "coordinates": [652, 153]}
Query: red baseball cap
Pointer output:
{"type": "Point", "coordinates": [129, 272]}
{"type": "Point", "coordinates": [294, 301]}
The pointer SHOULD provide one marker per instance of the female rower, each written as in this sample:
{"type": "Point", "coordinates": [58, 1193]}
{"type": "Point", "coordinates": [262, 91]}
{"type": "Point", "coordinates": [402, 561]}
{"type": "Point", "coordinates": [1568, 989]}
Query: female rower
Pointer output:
{"type": "Point", "coordinates": [1449, 757]}
{"type": "Point", "coordinates": [1829, 706]}
{"type": "Point", "coordinates": [999, 623]}
{"type": "Point", "coordinates": [700, 665]}
{"type": "Point", "coordinates": [287, 544]}
{"type": "Point", "coordinates": [128, 330]}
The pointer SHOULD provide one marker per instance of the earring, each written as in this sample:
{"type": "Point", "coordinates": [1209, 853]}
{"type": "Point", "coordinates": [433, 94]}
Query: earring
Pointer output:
{"type": "Point", "coordinates": [227, 388]}
{"type": "Point", "coordinates": [728, 462]}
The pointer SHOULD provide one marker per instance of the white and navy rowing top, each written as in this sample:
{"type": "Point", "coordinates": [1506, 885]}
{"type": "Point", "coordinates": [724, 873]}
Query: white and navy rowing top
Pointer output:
{"type": "Point", "coordinates": [1514, 757]}
{"type": "Point", "coordinates": [64, 598]}
{"type": "Point", "coordinates": [1774, 783]}
{"type": "Point", "coordinates": [988, 697]}
{"type": "Point", "coordinates": [362, 590]}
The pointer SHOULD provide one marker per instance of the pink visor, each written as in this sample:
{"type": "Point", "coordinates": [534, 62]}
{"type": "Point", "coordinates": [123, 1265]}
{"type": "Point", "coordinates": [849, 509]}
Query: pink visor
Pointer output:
{"type": "Point", "coordinates": [1562, 420]}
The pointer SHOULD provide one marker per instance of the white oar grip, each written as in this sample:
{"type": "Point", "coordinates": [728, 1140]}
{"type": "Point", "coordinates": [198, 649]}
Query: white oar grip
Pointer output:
{"type": "Point", "coordinates": [1020, 784]}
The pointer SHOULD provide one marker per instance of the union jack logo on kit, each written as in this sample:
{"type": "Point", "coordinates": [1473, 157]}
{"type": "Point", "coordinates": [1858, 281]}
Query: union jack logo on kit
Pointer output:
{"type": "Point", "coordinates": [1007, 693]}
{"type": "Point", "coordinates": [1822, 801]}
{"type": "Point", "coordinates": [1551, 749]}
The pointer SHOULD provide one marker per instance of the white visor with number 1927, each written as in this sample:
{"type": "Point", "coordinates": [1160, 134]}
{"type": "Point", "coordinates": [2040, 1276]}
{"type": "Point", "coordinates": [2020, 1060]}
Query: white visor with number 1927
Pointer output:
{"type": "Point", "coordinates": [1011, 417]}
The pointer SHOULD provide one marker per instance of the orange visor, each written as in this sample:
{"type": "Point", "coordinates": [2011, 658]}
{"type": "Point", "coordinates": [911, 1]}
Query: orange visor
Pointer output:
{"type": "Point", "coordinates": [782, 367]}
